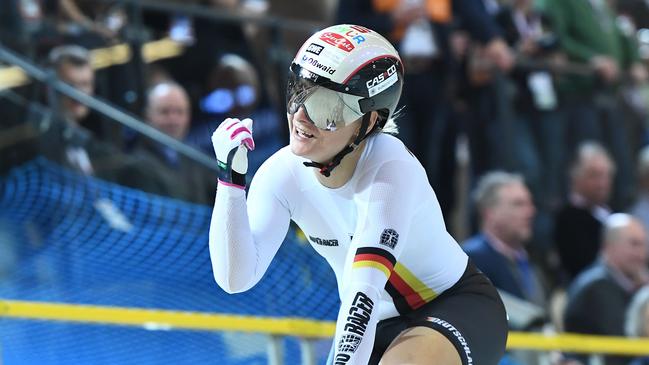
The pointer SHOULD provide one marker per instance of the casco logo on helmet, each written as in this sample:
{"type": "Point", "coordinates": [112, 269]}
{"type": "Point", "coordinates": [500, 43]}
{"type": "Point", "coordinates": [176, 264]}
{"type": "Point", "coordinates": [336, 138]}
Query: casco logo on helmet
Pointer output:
{"type": "Point", "coordinates": [313, 62]}
{"type": "Point", "coordinates": [337, 40]}
{"type": "Point", "coordinates": [382, 77]}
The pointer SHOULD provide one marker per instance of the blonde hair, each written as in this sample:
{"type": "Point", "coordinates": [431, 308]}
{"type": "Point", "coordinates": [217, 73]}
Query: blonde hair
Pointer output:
{"type": "Point", "coordinates": [390, 127]}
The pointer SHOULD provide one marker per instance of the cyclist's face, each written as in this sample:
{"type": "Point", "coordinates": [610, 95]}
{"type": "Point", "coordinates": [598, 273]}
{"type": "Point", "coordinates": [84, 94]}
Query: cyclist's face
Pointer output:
{"type": "Point", "coordinates": [319, 145]}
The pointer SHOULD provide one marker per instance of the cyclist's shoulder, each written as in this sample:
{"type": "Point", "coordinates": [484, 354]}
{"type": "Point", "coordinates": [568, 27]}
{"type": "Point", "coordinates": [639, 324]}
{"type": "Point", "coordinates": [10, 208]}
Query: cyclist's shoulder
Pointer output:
{"type": "Point", "coordinates": [388, 158]}
{"type": "Point", "coordinates": [282, 160]}
{"type": "Point", "coordinates": [281, 168]}
{"type": "Point", "coordinates": [388, 149]}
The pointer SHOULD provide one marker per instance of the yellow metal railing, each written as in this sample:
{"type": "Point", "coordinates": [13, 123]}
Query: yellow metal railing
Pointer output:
{"type": "Point", "coordinates": [13, 76]}
{"type": "Point", "coordinates": [166, 319]}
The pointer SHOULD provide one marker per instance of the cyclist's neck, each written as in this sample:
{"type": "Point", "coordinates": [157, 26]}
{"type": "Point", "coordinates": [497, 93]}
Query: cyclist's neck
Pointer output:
{"type": "Point", "coordinates": [343, 172]}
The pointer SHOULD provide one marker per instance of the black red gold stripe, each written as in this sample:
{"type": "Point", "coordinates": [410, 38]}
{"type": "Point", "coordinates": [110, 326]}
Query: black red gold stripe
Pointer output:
{"type": "Point", "coordinates": [375, 257]}
{"type": "Point", "coordinates": [406, 290]}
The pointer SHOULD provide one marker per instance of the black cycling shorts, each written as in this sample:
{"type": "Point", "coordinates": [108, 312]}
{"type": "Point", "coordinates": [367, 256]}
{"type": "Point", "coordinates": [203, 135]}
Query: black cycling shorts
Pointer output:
{"type": "Point", "coordinates": [470, 314]}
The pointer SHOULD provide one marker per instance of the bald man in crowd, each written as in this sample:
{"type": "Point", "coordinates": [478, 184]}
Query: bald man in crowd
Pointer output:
{"type": "Point", "coordinates": [599, 296]}
{"type": "Point", "coordinates": [168, 110]}
{"type": "Point", "coordinates": [578, 224]}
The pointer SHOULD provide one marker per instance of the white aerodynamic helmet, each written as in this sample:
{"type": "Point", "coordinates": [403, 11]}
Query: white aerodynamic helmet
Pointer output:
{"type": "Point", "coordinates": [343, 72]}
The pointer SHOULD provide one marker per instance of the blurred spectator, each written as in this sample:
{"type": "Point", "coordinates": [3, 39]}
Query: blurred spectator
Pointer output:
{"type": "Point", "coordinates": [506, 211]}
{"type": "Point", "coordinates": [208, 40]}
{"type": "Point", "coordinates": [420, 31]}
{"type": "Point", "coordinates": [537, 125]}
{"type": "Point", "coordinates": [90, 23]}
{"type": "Point", "coordinates": [168, 110]}
{"type": "Point", "coordinates": [61, 135]}
{"type": "Point", "coordinates": [589, 33]}
{"type": "Point", "coordinates": [640, 208]}
{"type": "Point", "coordinates": [637, 320]}
{"type": "Point", "coordinates": [578, 223]}
{"type": "Point", "coordinates": [599, 296]}
{"type": "Point", "coordinates": [21, 22]}
{"type": "Point", "coordinates": [74, 126]}
{"type": "Point", "coordinates": [73, 65]}
{"type": "Point", "coordinates": [235, 91]}
{"type": "Point", "coordinates": [97, 24]}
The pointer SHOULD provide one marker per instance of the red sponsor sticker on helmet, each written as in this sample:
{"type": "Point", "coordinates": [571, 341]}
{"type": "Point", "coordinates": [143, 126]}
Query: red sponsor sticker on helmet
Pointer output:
{"type": "Point", "coordinates": [337, 40]}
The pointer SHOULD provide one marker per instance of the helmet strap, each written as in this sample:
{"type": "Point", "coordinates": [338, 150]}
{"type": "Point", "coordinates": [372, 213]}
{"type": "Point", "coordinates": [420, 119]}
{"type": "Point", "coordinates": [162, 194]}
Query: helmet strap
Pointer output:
{"type": "Point", "coordinates": [325, 169]}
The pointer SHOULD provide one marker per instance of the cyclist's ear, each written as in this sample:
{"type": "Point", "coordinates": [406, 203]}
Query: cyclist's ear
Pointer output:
{"type": "Point", "coordinates": [374, 119]}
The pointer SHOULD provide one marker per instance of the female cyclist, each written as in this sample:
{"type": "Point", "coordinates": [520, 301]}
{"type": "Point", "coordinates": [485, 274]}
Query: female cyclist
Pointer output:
{"type": "Point", "coordinates": [409, 294]}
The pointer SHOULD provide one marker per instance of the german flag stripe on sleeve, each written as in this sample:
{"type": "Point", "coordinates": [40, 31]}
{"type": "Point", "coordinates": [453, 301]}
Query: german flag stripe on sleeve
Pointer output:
{"type": "Point", "coordinates": [375, 257]}
{"type": "Point", "coordinates": [407, 291]}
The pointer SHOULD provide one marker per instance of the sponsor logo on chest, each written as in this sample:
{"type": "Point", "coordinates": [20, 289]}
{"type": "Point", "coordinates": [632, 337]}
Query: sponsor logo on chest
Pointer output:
{"type": "Point", "coordinates": [324, 242]}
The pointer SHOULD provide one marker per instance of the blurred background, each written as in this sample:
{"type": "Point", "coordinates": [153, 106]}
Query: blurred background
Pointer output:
{"type": "Point", "coordinates": [531, 118]}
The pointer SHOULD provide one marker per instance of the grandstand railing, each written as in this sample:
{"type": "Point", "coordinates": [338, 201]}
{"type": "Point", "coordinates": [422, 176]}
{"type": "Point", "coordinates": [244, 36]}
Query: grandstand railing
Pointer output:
{"type": "Point", "coordinates": [103, 107]}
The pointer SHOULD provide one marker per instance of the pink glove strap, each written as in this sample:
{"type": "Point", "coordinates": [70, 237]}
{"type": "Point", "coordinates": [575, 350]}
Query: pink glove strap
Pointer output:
{"type": "Point", "coordinates": [231, 184]}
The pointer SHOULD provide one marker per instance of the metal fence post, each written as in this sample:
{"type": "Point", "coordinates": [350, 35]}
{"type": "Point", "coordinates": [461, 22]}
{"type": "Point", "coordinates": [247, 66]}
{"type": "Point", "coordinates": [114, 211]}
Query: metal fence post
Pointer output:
{"type": "Point", "coordinates": [596, 359]}
{"type": "Point", "coordinates": [275, 350]}
{"type": "Point", "coordinates": [307, 353]}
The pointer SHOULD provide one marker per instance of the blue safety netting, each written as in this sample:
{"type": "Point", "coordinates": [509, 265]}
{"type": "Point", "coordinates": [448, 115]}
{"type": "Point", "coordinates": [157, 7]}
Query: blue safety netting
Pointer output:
{"type": "Point", "coordinates": [65, 237]}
